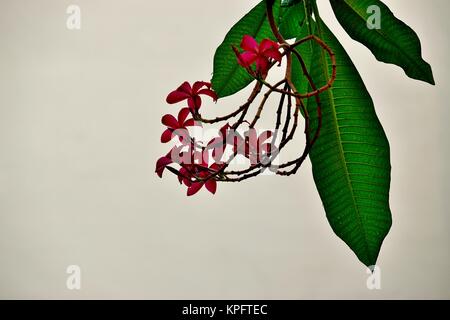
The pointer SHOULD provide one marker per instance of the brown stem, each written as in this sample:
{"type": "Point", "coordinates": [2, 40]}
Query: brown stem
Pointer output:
{"type": "Point", "coordinates": [263, 102]}
{"type": "Point", "coordinates": [256, 90]}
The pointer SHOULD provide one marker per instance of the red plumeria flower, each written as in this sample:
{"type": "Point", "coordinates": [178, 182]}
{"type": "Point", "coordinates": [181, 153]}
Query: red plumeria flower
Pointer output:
{"type": "Point", "coordinates": [263, 54]}
{"type": "Point", "coordinates": [174, 156]}
{"type": "Point", "coordinates": [162, 163]}
{"type": "Point", "coordinates": [191, 172]}
{"type": "Point", "coordinates": [176, 126]}
{"type": "Point", "coordinates": [210, 184]}
{"type": "Point", "coordinates": [192, 94]}
{"type": "Point", "coordinates": [203, 172]}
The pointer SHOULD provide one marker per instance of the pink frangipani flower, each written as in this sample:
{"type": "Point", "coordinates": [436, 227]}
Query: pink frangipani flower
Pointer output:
{"type": "Point", "coordinates": [203, 172]}
{"type": "Point", "coordinates": [192, 94]}
{"type": "Point", "coordinates": [263, 54]}
{"type": "Point", "coordinates": [196, 175]}
{"type": "Point", "coordinates": [177, 126]}
{"type": "Point", "coordinates": [162, 163]}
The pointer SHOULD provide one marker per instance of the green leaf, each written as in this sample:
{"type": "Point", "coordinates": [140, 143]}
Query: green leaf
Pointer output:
{"type": "Point", "coordinates": [394, 42]}
{"type": "Point", "coordinates": [288, 3]}
{"type": "Point", "coordinates": [306, 51]}
{"type": "Point", "coordinates": [291, 20]}
{"type": "Point", "coordinates": [351, 158]}
{"type": "Point", "coordinates": [228, 76]}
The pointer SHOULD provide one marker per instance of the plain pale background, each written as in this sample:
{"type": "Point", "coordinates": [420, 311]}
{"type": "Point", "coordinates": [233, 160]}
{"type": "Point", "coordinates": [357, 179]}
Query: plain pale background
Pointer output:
{"type": "Point", "coordinates": [79, 136]}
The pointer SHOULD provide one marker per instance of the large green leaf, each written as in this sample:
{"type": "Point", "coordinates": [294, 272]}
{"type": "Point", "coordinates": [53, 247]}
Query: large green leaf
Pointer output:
{"type": "Point", "coordinates": [306, 50]}
{"type": "Point", "coordinates": [228, 76]}
{"type": "Point", "coordinates": [351, 158]}
{"type": "Point", "coordinates": [288, 3]}
{"type": "Point", "coordinates": [291, 20]}
{"type": "Point", "coordinates": [394, 42]}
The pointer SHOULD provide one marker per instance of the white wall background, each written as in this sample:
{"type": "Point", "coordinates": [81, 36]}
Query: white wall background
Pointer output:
{"type": "Point", "coordinates": [79, 135]}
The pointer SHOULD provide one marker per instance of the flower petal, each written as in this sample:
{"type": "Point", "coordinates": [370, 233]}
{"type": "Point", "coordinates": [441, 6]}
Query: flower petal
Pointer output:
{"type": "Point", "coordinates": [189, 123]}
{"type": "Point", "coordinates": [216, 167]}
{"type": "Point", "coordinates": [161, 164]}
{"type": "Point", "coordinates": [249, 43]}
{"type": "Point", "coordinates": [262, 65]}
{"type": "Point", "coordinates": [166, 136]}
{"type": "Point", "coordinates": [194, 188]}
{"type": "Point", "coordinates": [184, 176]}
{"type": "Point", "coordinates": [274, 54]}
{"type": "Point", "coordinates": [195, 103]}
{"type": "Point", "coordinates": [198, 85]}
{"type": "Point", "coordinates": [185, 87]}
{"type": "Point", "coordinates": [211, 185]}
{"type": "Point", "coordinates": [267, 44]}
{"type": "Point", "coordinates": [170, 121]}
{"type": "Point", "coordinates": [209, 92]}
{"type": "Point", "coordinates": [182, 115]}
{"type": "Point", "coordinates": [247, 58]}
{"type": "Point", "coordinates": [176, 96]}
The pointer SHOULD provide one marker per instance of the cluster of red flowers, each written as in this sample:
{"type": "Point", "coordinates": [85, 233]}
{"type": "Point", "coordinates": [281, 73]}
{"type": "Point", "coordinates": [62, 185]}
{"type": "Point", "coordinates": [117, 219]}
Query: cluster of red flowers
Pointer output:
{"type": "Point", "coordinates": [262, 54]}
{"type": "Point", "coordinates": [190, 170]}
{"type": "Point", "coordinates": [194, 159]}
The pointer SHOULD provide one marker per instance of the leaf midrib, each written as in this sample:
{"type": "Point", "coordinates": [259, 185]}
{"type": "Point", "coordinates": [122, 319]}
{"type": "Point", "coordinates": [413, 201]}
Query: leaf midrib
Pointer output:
{"type": "Point", "coordinates": [341, 150]}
